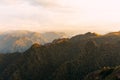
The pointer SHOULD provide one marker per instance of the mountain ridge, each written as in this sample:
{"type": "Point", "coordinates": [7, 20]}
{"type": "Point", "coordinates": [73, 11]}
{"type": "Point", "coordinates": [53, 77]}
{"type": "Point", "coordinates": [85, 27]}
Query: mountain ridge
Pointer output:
{"type": "Point", "coordinates": [63, 59]}
{"type": "Point", "coordinates": [19, 41]}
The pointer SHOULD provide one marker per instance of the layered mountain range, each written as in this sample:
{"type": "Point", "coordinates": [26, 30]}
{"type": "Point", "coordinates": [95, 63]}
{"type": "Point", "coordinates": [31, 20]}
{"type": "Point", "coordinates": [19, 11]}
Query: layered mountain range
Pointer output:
{"type": "Point", "coordinates": [19, 41]}
{"type": "Point", "coordinates": [87, 56]}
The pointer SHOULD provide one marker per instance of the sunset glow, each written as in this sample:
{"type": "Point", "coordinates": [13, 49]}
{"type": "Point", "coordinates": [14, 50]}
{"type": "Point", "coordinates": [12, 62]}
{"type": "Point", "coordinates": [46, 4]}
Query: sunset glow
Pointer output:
{"type": "Point", "coordinates": [60, 15]}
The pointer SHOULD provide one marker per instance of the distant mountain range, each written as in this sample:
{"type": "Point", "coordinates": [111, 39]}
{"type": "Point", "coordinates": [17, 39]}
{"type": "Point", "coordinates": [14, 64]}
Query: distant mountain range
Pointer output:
{"type": "Point", "coordinates": [88, 56]}
{"type": "Point", "coordinates": [19, 41]}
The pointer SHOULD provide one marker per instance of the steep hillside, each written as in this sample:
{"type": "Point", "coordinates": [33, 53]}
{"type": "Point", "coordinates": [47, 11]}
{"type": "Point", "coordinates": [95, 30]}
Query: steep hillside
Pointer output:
{"type": "Point", "coordinates": [39, 62]}
{"type": "Point", "coordinates": [105, 73]}
{"type": "Point", "coordinates": [63, 59]}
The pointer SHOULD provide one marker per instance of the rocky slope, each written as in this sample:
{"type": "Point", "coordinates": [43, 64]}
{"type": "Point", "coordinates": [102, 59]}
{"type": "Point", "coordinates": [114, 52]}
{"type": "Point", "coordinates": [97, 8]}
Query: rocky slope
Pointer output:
{"type": "Point", "coordinates": [106, 73]}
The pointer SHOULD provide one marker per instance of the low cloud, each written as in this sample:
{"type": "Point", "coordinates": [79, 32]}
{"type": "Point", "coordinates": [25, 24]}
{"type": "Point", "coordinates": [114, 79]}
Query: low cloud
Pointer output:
{"type": "Point", "coordinates": [45, 3]}
{"type": "Point", "coordinates": [11, 2]}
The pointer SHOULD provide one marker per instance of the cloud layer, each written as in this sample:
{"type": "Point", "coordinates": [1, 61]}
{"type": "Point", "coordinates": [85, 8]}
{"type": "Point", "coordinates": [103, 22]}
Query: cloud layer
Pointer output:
{"type": "Point", "coordinates": [82, 15]}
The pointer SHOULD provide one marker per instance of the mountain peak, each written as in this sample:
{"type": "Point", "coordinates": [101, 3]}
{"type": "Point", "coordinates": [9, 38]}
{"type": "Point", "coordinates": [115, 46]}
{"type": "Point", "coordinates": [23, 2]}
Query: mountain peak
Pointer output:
{"type": "Point", "coordinates": [91, 34]}
{"type": "Point", "coordinates": [36, 45]}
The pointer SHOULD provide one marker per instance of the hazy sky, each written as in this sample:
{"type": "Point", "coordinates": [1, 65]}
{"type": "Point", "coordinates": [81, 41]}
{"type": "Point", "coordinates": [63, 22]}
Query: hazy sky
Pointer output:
{"type": "Point", "coordinates": [60, 15]}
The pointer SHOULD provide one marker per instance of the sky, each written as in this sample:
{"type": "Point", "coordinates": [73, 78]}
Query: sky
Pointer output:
{"type": "Point", "coordinates": [60, 15]}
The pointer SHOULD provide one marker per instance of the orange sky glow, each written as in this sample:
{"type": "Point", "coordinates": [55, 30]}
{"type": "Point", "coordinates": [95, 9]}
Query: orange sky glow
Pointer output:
{"type": "Point", "coordinates": [60, 15]}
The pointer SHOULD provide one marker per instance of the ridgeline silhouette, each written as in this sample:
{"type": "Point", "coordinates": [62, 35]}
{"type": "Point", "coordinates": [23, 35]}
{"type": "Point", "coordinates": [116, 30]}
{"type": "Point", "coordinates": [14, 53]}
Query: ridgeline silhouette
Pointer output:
{"type": "Point", "coordinates": [66, 59]}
